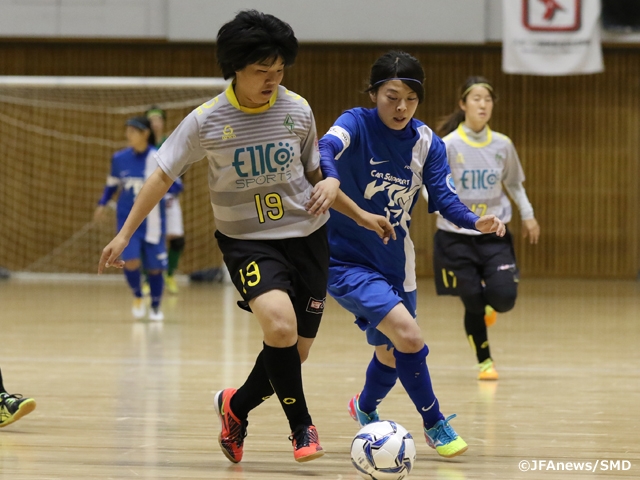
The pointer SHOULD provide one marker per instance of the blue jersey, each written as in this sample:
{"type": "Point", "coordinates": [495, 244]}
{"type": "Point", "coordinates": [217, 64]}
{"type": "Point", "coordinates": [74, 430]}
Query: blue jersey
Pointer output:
{"type": "Point", "coordinates": [382, 171]}
{"type": "Point", "coordinates": [129, 171]}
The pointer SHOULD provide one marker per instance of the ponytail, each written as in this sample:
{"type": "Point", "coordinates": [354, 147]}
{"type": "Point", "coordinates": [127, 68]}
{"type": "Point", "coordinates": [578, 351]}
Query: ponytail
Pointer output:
{"type": "Point", "coordinates": [449, 123]}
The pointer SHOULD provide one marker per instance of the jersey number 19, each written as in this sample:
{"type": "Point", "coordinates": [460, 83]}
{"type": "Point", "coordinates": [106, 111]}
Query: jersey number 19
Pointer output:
{"type": "Point", "coordinates": [271, 204]}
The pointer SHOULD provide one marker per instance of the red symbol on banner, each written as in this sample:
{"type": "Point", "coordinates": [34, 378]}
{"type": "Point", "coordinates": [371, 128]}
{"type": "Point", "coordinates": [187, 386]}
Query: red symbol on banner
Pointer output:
{"type": "Point", "coordinates": [552, 15]}
{"type": "Point", "coordinates": [551, 6]}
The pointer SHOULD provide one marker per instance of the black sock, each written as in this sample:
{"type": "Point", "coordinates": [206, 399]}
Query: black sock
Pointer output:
{"type": "Point", "coordinates": [255, 390]}
{"type": "Point", "coordinates": [285, 374]}
{"type": "Point", "coordinates": [477, 334]}
{"type": "Point", "coordinates": [474, 325]}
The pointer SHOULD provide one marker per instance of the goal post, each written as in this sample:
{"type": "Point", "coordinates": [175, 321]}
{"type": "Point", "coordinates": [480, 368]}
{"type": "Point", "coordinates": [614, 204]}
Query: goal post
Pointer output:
{"type": "Point", "coordinates": [57, 136]}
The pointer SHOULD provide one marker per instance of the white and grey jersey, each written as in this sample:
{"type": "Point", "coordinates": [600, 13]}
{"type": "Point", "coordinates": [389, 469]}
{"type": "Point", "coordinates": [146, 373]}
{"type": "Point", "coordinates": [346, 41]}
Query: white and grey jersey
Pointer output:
{"type": "Point", "coordinates": [480, 164]}
{"type": "Point", "coordinates": [257, 163]}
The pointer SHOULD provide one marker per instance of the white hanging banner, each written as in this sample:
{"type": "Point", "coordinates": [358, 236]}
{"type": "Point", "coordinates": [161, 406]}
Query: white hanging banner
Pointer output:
{"type": "Point", "coordinates": [551, 37]}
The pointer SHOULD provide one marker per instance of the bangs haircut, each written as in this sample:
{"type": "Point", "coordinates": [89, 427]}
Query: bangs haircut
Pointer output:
{"type": "Point", "coordinates": [397, 65]}
{"type": "Point", "coordinates": [254, 37]}
{"type": "Point", "coordinates": [476, 80]}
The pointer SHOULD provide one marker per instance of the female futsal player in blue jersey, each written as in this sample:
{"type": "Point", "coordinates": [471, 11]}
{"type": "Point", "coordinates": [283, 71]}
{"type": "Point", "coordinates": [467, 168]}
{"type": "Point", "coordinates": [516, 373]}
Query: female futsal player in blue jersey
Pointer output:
{"type": "Point", "coordinates": [384, 156]}
{"type": "Point", "coordinates": [130, 168]}
{"type": "Point", "coordinates": [481, 269]}
{"type": "Point", "coordinates": [265, 180]}
{"type": "Point", "coordinates": [173, 211]}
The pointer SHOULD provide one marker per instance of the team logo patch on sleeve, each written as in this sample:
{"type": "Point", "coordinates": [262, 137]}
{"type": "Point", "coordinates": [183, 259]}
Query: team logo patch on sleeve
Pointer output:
{"type": "Point", "coordinates": [315, 306]}
{"type": "Point", "coordinates": [342, 134]}
{"type": "Point", "coordinates": [451, 184]}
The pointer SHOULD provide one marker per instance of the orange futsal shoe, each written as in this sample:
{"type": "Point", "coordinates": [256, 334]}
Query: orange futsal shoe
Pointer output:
{"type": "Point", "coordinates": [487, 370]}
{"type": "Point", "coordinates": [306, 446]}
{"type": "Point", "coordinates": [490, 316]}
{"type": "Point", "coordinates": [231, 438]}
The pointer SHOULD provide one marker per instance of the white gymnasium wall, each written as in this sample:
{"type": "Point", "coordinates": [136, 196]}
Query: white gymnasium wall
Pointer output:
{"type": "Point", "coordinates": [493, 22]}
{"type": "Point", "coordinates": [413, 21]}
{"type": "Point", "coordinates": [440, 21]}
{"type": "Point", "coordinates": [83, 18]}
{"type": "Point", "coordinates": [380, 21]}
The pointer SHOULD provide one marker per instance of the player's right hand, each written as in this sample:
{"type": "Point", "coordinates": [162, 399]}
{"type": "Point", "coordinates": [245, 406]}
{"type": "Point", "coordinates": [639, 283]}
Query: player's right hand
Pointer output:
{"type": "Point", "coordinates": [110, 254]}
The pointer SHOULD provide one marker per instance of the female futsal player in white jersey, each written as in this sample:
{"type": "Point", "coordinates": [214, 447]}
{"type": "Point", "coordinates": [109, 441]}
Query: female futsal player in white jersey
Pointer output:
{"type": "Point", "coordinates": [481, 269]}
{"type": "Point", "coordinates": [384, 156]}
{"type": "Point", "coordinates": [270, 203]}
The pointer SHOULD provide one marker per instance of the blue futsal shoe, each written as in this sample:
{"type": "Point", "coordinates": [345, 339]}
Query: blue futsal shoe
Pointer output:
{"type": "Point", "coordinates": [444, 439]}
{"type": "Point", "coordinates": [359, 416]}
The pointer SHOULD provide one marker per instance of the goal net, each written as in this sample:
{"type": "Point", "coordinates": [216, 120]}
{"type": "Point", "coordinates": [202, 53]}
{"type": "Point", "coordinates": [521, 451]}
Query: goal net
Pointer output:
{"type": "Point", "coordinates": [57, 136]}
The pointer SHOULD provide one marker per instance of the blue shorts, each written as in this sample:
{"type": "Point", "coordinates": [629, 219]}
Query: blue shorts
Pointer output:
{"type": "Point", "coordinates": [153, 256]}
{"type": "Point", "coordinates": [369, 296]}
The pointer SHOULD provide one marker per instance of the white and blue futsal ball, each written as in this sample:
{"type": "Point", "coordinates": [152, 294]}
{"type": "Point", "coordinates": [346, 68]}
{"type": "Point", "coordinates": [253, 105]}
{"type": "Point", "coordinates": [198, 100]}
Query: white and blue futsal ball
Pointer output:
{"type": "Point", "coordinates": [383, 451]}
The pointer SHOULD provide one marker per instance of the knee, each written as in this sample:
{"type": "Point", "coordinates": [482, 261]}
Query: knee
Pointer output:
{"type": "Point", "coordinates": [132, 265]}
{"type": "Point", "coordinates": [280, 334]}
{"type": "Point", "coordinates": [409, 339]}
{"type": "Point", "coordinates": [502, 301]}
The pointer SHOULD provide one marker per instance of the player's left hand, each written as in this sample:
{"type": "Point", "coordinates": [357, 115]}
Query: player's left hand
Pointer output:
{"type": "Point", "coordinates": [491, 224]}
{"type": "Point", "coordinates": [531, 229]}
{"type": "Point", "coordinates": [323, 195]}
{"type": "Point", "coordinates": [378, 224]}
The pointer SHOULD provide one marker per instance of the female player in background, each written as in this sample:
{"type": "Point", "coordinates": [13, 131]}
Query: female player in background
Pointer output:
{"type": "Point", "coordinates": [130, 168]}
{"type": "Point", "coordinates": [13, 406]}
{"type": "Point", "coordinates": [270, 196]}
{"type": "Point", "coordinates": [175, 224]}
{"type": "Point", "coordinates": [384, 156]}
{"type": "Point", "coordinates": [481, 269]}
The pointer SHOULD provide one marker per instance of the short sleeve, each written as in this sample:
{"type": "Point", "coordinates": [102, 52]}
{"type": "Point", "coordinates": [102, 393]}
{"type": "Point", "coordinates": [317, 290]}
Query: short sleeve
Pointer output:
{"type": "Point", "coordinates": [182, 148]}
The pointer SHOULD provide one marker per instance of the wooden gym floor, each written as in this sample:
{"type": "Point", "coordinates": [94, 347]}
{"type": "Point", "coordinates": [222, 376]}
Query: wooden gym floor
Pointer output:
{"type": "Point", "coordinates": [119, 399]}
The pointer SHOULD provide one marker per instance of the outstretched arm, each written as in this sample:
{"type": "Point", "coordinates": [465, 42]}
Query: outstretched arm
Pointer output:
{"type": "Point", "coordinates": [345, 205]}
{"type": "Point", "coordinates": [370, 221]}
{"type": "Point", "coordinates": [152, 192]}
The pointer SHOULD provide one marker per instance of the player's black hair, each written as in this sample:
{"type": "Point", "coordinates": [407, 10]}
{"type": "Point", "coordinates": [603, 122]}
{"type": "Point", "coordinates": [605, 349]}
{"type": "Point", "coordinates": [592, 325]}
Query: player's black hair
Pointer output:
{"type": "Point", "coordinates": [397, 65]}
{"type": "Point", "coordinates": [254, 37]}
{"type": "Point", "coordinates": [142, 123]}
{"type": "Point", "coordinates": [156, 109]}
{"type": "Point", "coordinates": [449, 123]}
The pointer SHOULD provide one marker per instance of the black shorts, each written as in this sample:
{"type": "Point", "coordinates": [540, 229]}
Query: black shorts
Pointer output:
{"type": "Point", "coordinates": [298, 266]}
{"type": "Point", "coordinates": [462, 263]}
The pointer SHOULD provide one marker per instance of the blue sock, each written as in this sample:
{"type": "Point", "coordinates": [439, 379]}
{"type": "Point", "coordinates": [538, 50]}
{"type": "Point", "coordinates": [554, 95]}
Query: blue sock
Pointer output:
{"type": "Point", "coordinates": [156, 285]}
{"type": "Point", "coordinates": [380, 379]}
{"type": "Point", "coordinates": [133, 279]}
{"type": "Point", "coordinates": [414, 376]}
